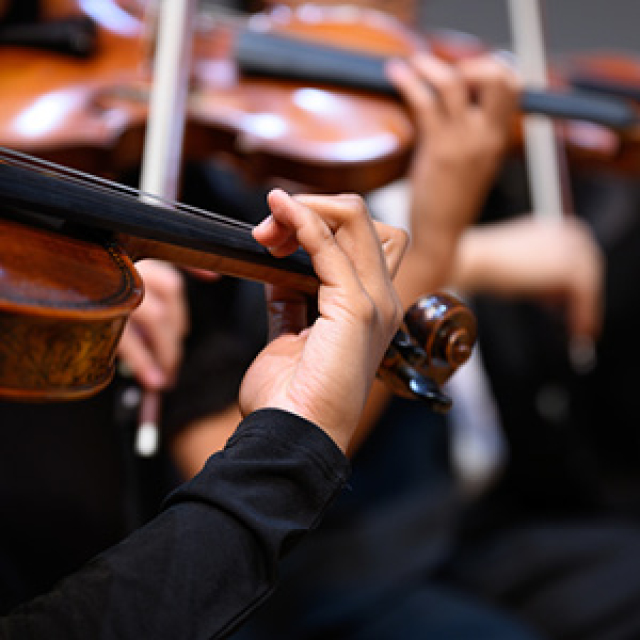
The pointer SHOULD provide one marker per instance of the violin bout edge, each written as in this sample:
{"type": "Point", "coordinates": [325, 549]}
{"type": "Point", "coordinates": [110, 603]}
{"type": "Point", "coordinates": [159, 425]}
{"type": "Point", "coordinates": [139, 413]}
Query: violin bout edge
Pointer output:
{"type": "Point", "coordinates": [43, 359]}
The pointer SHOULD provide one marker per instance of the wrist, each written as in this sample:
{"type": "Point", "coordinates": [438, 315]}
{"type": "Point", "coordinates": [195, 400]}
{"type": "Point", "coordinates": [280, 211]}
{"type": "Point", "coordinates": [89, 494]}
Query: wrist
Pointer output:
{"type": "Point", "coordinates": [472, 269]}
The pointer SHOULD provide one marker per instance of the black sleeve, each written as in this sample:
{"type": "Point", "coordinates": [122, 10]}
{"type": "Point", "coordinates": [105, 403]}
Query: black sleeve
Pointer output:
{"type": "Point", "coordinates": [211, 556]}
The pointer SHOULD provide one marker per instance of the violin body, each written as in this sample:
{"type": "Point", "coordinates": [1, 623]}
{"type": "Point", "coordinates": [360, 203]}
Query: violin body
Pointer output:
{"type": "Point", "coordinates": [68, 282]}
{"type": "Point", "coordinates": [323, 136]}
{"type": "Point", "coordinates": [608, 73]}
{"type": "Point", "coordinates": [67, 109]}
{"type": "Point", "coordinates": [64, 302]}
{"type": "Point", "coordinates": [318, 52]}
{"type": "Point", "coordinates": [91, 113]}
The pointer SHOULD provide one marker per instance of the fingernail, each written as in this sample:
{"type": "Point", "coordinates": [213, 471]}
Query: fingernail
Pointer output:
{"type": "Point", "coordinates": [262, 226]}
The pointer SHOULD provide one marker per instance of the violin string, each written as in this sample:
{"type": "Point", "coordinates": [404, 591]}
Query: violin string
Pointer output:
{"type": "Point", "coordinates": [17, 158]}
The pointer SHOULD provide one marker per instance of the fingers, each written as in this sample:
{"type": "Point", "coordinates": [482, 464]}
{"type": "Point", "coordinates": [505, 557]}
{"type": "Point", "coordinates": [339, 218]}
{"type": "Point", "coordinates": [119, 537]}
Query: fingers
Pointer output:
{"type": "Point", "coordinates": [394, 243]}
{"type": "Point", "coordinates": [585, 312]}
{"type": "Point", "coordinates": [541, 259]}
{"type": "Point", "coordinates": [359, 236]}
{"type": "Point", "coordinates": [414, 90]}
{"type": "Point", "coordinates": [587, 273]}
{"type": "Point", "coordinates": [276, 235]}
{"type": "Point", "coordinates": [151, 345]}
{"type": "Point", "coordinates": [431, 87]}
{"type": "Point", "coordinates": [139, 360]}
{"type": "Point", "coordinates": [352, 257]}
{"type": "Point", "coordinates": [337, 232]}
{"type": "Point", "coordinates": [435, 89]}
{"type": "Point", "coordinates": [496, 85]}
{"type": "Point", "coordinates": [202, 274]}
{"type": "Point", "coordinates": [291, 224]}
{"type": "Point", "coordinates": [324, 372]}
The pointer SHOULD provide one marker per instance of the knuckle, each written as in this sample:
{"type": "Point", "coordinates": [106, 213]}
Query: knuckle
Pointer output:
{"type": "Point", "coordinates": [423, 102]}
{"type": "Point", "coordinates": [174, 283]}
{"type": "Point", "coordinates": [354, 201]}
{"type": "Point", "coordinates": [399, 236]}
{"type": "Point", "coordinates": [353, 206]}
{"type": "Point", "coordinates": [324, 233]}
{"type": "Point", "coordinates": [393, 312]}
{"type": "Point", "coordinates": [366, 309]}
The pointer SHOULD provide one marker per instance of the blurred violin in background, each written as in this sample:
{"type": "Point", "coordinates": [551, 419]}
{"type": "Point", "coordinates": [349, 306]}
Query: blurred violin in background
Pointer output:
{"type": "Point", "coordinates": [331, 51]}
{"type": "Point", "coordinates": [89, 111]}
{"type": "Point", "coordinates": [613, 74]}
{"type": "Point", "coordinates": [302, 94]}
{"type": "Point", "coordinates": [59, 106]}
{"type": "Point", "coordinates": [608, 72]}
{"type": "Point", "coordinates": [250, 105]}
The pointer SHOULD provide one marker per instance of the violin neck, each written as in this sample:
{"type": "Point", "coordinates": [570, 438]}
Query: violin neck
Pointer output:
{"type": "Point", "coordinates": [609, 86]}
{"type": "Point", "coordinates": [262, 53]}
{"type": "Point", "coordinates": [76, 36]}
{"type": "Point", "coordinates": [249, 262]}
{"type": "Point", "coordinates": [275, 55]}
{"type": "Point", "coordinates": [189, 237]}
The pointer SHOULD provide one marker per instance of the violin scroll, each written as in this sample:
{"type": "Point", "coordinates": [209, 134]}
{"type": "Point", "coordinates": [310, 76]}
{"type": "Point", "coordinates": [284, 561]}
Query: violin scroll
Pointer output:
{"type": "Point", "coordinates": [437, 338]}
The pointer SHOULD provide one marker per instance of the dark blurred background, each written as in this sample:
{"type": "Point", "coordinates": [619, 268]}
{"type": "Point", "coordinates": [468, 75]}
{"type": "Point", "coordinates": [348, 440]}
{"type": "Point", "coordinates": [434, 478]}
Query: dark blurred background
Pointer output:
{"type": "Point", "coordinates": [572, 25]}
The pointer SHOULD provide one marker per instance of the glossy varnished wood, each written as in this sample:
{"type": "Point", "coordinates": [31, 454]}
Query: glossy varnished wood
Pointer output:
{"type": "Point", "coordinates": [63, 305]}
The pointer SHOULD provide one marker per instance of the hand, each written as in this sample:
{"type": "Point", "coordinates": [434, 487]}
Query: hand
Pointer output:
{"type": "Point", "coordinates": [151, 345]}
{"type": "Point", "coordinates": [464, 115]}
{"type": "Point", "coordinates": [537, 258]}
{"type": "Point", "coordinates": [324, 372]}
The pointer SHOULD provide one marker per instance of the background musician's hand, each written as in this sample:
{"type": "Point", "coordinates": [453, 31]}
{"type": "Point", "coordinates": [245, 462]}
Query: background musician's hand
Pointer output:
{"type": "Point", "coordinates": [324, 372]}
{"type": "Point", "coordinates": [151, 345]}
{"type": "Point", "coordinates": [540, 258]}
{"type": "Point", "coordinates": [463, 114]}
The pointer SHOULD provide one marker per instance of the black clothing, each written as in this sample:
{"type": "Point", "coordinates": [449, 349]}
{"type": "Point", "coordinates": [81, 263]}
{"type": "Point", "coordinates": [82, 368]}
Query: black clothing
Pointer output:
{"type": "Point", "coordinates": [572, 435]}
{"type": "Point", "coordinates": [570, 578]}
{"type": "Point", "coordinates": [69, 476]}
{"type": "Point", "coordinates": [367, 572]}
{"type": "Point", "coordinates": [557, 539]}
{"type": "Point", "coordinates": [65, 490]}
{"type": "Point", "coordinates": [211, 556]}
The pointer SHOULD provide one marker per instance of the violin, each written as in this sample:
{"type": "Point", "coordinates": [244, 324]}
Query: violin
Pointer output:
{"type": "Point", "coordinates": [289, 72]}
{"type": "Point", "coordinates": [90, 113]}
{"type": "Point", "coordinates": [68, 282]}
{"type": "Point", "coordinates": [330, 137]}
{"type": "Point", "coordinates": [65, 308]}
{"type": "Point", "coordinates": [59, 105]}
{"type": "Point", "coordinates": [288, 122]}
{"type": "Point", "coordinates": [608, 73]}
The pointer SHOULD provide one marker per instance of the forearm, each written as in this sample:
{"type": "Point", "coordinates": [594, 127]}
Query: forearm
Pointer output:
{"type": "Point", "coordinates": [538, 260]}
{"type": "Point", "coordinates": [472, 271]}
{"type": "Point", "coordinates": [211, 556]}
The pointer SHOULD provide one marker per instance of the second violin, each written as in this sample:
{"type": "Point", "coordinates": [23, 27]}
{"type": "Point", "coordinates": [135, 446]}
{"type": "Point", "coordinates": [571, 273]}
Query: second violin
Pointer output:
{"type": "Point", "coordinates": [304, 95]}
